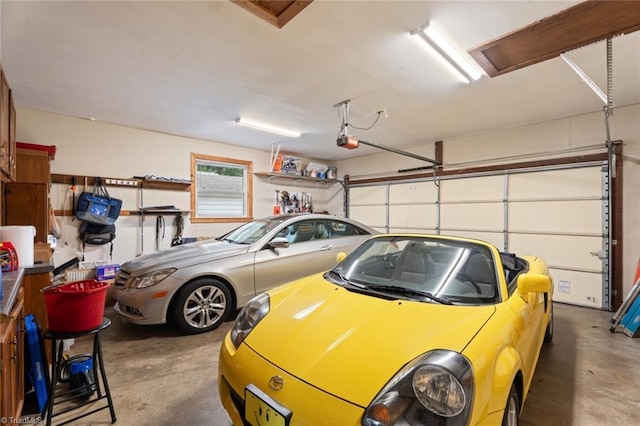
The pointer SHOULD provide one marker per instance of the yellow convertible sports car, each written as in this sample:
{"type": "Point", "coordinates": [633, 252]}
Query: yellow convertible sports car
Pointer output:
{"type": "Point", "coordinates": [406, 330]}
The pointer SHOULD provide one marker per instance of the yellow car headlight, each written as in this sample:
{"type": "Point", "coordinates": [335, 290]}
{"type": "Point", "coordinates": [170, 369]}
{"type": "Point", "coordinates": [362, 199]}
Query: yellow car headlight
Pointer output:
{"type": "Point", "coordinates": [249, 317]}
{"type": "Point", "coordinates": [438, 390]}
{"type": "Point", "coordinates": [435, 387]}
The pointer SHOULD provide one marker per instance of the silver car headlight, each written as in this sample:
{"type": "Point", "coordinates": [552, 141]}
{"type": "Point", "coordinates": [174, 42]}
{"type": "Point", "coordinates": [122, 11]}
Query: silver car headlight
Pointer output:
{"type": "Point", "coordinates": [249, 317]}
{"type": "Point", "coordinates": [435, 388]}
{"type": "Point", "coordinates": [151, 278]}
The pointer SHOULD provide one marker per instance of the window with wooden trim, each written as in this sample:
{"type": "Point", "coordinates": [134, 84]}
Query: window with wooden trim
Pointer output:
{"type": "Point", "coordinates": [222, 189]}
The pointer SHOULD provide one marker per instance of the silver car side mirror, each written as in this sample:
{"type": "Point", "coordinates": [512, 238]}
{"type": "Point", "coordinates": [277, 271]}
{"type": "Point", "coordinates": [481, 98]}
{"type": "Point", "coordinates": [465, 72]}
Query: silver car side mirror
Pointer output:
{"type": "Point", "coordinates": [278, 242]}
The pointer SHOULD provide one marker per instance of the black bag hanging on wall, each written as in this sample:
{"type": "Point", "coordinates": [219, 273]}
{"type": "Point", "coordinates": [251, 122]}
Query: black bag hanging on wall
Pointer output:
{"type": "Point", "coordinates": [98, 206]}
{"type": "Point", "coordinates": [94, 234]}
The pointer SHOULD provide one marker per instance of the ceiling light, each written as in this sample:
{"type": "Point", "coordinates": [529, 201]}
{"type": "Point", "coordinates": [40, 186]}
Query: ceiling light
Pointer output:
{"type": "Point", "coordinates": [268, 128]}
{"type": "Point", "coordinates": [445, 51]}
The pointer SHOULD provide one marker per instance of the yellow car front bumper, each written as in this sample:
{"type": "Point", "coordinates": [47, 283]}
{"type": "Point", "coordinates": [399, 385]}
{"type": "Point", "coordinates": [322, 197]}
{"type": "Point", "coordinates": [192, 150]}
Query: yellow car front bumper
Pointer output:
{"type": "Point", "coordinates": [237, 369]}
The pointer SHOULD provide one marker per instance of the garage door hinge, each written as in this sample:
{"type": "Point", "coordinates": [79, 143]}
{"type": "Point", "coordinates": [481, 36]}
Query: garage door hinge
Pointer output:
{"type": "Point", "coordinates": [602, 255]}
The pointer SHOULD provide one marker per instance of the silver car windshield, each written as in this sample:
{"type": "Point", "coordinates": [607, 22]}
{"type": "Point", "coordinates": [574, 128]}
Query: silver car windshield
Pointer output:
{"type": "Point", "coordinates": [405, 266]}
{"type": "Point", "coordinates": [251, 232]}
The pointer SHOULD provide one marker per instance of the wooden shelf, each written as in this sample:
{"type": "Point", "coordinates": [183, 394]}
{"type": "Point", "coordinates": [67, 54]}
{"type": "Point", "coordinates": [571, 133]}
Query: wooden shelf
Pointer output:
{"type": "Point", "coordinates": [168, 186]}
{"type": "Point", "coordinates": [130, 212]}
{"type": "Point", "coordinates": [296, 177]}
{"type": "Point", "coordinates": [88, 181]}
{"type": "Point", "coordinates": [157, 212]}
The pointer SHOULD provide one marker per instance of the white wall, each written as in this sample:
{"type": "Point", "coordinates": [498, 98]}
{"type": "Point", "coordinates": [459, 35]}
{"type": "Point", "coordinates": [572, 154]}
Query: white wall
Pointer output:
{"type": "Point", "coordinates": [542, 140]}
{"type": "Point", "coordinates": [95, 148]}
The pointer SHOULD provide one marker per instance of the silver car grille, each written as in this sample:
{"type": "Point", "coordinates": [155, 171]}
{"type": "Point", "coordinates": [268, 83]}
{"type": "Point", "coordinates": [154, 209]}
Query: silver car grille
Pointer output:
{"type": "Point", "coordinates": [122, 279]}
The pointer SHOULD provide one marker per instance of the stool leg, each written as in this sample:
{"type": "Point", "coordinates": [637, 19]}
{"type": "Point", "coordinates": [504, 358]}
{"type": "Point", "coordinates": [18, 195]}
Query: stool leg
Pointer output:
{"type": "Point", "coordinates": [96, 359]}
{"type": "Point", "coordinates": [103, 374]}
{"type": "Point", "coordinates": [47, 380]}
{"type": "Point", "coordinates": [55, 373]}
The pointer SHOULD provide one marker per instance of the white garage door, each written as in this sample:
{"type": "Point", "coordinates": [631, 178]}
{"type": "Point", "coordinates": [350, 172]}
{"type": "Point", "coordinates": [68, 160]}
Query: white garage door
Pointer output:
{"type": "Point", "coordinates": [559, 214]}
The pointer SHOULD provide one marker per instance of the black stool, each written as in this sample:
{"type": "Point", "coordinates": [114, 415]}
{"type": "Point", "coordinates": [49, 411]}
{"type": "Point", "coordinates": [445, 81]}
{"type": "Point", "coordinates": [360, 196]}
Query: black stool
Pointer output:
{"type": "Point", "coordinates": [57, 350]}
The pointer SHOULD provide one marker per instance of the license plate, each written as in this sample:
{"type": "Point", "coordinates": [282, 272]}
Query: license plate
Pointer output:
{"type": "Point", "coordinates": [261, 410]}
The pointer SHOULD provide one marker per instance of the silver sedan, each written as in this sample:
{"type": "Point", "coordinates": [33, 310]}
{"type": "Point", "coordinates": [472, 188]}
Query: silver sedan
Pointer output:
{"type": "Point", "coordinates": [198, 285]}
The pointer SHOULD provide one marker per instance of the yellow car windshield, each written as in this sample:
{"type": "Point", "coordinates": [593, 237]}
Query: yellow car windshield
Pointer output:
{"type": "Point", "coordinates": [461, 272]}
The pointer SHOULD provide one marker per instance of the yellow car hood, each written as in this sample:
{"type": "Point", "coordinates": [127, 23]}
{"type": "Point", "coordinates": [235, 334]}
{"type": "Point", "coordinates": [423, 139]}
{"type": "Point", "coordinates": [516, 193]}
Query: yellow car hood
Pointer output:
{"type": "Point", "coordinates": [350, 344]}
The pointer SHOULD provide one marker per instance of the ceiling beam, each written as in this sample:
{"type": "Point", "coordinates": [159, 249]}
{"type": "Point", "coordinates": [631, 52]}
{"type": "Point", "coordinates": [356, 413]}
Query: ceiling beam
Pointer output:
{"type": "Point", "coordinates": [585, 23]}
{"type": "Point", "coordinates": [277, 13]}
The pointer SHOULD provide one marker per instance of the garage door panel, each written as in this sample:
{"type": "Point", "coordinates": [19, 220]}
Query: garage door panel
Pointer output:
{"type": "Point", "coordinates": [584, 216]}
{"type": "Point", "coordinates": [577, 288]}
{"type": "Point", "coordinates": [486, 216]}
{"type": "Point", "coordinates": [417, 216]}
{"type": "Point", "coordinates": [413, 192]}
{"type": "Point", "coordinates": [368, 195]}
{"type": "Point", "coordinates": [579, 183]}
{"type": "Point", "coordinates": [373, 216]}
{"type": "Point", "coordinates": [559, 250]}
{"type": "Point", "coordinates": [405, 230]}
{"type": "Point", "coordinates": [495, 238]}
{"type": "Point", "coordinates": [484, 188]}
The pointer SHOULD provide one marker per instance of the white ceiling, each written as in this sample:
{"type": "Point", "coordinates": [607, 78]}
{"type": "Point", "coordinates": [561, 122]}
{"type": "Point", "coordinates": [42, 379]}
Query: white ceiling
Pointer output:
{"type": "Point", "coordinates": [193, 68]}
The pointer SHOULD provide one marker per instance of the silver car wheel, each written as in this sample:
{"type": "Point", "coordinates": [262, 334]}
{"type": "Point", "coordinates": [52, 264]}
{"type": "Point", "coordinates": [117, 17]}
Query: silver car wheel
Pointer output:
{"type": "Point", "coordinates": [204, 306]}
{"type": "Point", "coordinates": [201, 305]}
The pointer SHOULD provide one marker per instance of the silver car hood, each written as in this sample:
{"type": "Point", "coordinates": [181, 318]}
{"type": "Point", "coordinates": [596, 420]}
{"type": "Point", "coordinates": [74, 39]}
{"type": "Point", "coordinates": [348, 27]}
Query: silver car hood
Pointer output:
{"type": "Point", "coordinates": [184, 255]}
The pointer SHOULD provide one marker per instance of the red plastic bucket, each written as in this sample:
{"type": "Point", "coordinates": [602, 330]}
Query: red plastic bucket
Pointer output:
{"type": "Point", "coordinates": [76, 306]}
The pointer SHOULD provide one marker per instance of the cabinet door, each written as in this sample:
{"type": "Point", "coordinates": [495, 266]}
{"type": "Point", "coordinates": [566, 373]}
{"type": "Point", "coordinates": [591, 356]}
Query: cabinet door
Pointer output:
{"type": "Point", "coordinates": [12, 137]}
{"type": "Point", "coordinates": [5, 149]}
{"type": "Point", "coordinates": [12, 357]}
{"type": "Point", "coordinates": [28, 204]}
{"type": "Point", "coordinates": [6, 371]}
{"type": "Point", "coordinates": [17, 357]}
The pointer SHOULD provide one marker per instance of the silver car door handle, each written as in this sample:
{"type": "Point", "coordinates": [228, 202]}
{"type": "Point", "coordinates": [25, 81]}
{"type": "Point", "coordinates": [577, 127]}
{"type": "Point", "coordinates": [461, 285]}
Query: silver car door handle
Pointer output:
{"type": "Point", "coordinates": [327, 247]}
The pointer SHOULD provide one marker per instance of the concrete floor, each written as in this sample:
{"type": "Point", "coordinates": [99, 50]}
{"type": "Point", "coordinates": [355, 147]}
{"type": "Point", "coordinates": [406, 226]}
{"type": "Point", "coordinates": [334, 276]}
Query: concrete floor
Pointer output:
{"type": "Point", "coordinates": [586, 376]}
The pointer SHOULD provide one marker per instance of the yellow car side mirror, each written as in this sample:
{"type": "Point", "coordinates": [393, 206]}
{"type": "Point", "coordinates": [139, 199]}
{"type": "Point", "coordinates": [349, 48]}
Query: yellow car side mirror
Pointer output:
{"type": "Point", "coordinates": [340, 257]}
{"type": "Point", "coordinates": [533, 283]}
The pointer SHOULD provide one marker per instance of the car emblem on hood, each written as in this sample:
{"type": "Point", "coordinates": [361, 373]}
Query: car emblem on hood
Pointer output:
{"type": "Point", "coordinates": [276, 383]}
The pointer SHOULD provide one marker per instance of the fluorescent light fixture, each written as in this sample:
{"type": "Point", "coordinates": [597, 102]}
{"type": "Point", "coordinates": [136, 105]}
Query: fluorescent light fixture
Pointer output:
{"type": "Point", "coordinates": [442, 49]}
{"type": "Point", "coordinates": [268, 128]}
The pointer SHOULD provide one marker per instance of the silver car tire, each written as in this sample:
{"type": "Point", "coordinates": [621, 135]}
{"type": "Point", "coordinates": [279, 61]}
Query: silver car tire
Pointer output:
{"type": "Point", "coordinates": [512, 409]}
{"type": "Point", "coordinates": [201, 306]}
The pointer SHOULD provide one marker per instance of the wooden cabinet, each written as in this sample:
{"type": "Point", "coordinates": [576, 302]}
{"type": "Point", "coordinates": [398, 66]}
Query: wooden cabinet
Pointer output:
{"type": "Point", "coordinates": [34, 302]}
{"type": "Point", "coordinates": [26, 201]}
{"type": "Point", "coordinates": [12, 361]}
{"type": "Point", "coordinates": [33, 166]}
{"type": "Point", "coordinates": [12, 136]}
{"type": "Point", "coordinates": [7, 131]}
{"type": "Point", "coordinates": [28, 204]}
